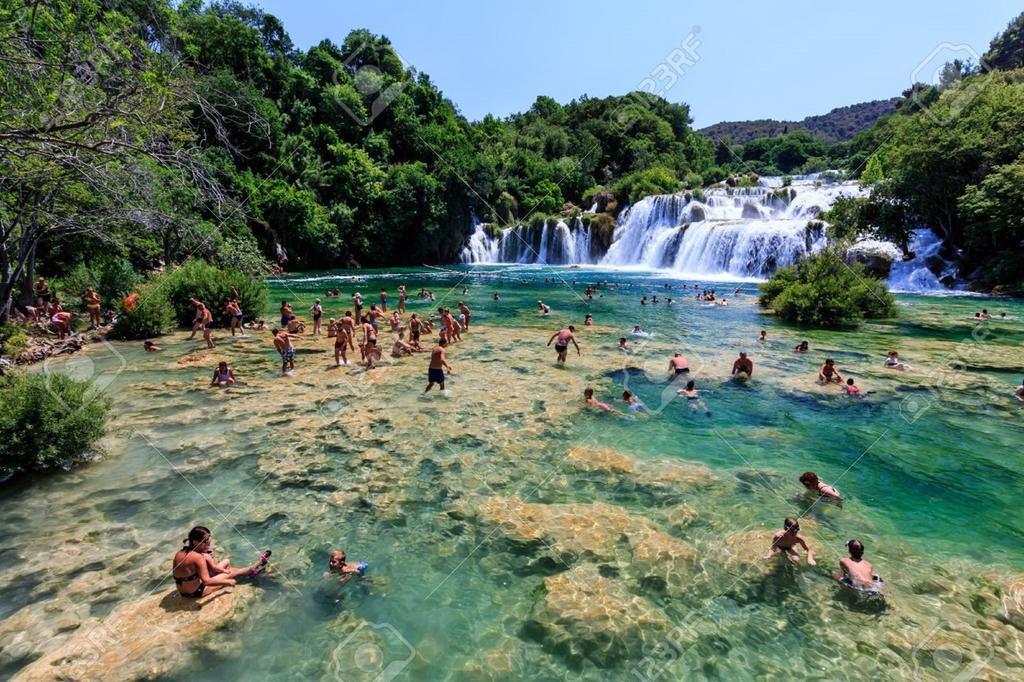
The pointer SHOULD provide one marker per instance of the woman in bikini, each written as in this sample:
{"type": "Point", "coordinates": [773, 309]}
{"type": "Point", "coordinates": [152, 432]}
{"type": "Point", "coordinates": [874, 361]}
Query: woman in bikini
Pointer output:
{"type": "Point", "coordinates": [233, 309]}
{"type": "Point", "coordinates": [342, 338]}
{"type": "Point", "coordinates": [194, 570]}
{"type": "Point", "coordinates": [92, 304]}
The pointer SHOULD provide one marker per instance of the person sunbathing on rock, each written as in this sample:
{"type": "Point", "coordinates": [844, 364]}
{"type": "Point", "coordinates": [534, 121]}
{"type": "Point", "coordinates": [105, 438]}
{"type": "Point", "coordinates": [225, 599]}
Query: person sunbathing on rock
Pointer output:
{"type": "Point", "coordinates": [196, 573]}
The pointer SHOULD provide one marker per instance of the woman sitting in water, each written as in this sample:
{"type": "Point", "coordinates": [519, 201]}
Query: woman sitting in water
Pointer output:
{"type": "Point", "coordinates": [197, 574]}
{"type": "Point", "coordinates": [893, 361]}
{"type": "Point", "coordinates": [223, 375]}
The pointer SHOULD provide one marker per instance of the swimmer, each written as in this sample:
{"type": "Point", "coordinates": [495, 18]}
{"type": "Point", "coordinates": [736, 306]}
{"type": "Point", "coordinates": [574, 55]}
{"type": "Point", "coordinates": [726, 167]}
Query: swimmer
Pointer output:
{"type": "Point", "coordinates": [693, 398]}
{"type": "Point", "coordinates": [893, 361]}
{"type": "Point", "coordinates": [851, 390]}
{"type": "Point", "coordinates": [785, 540]}
{"type": "Point", "coordinates": [632, 402]}
{"type": "Point", "coordinates": [743, 368]}
{"type": "Point", "coordinates": [151, 347]}
{"type": "Point", "coordinates": [985, 314]}
{"type": "Point", "coordinates": [1019, 393]}
{"type": "Point", "coordinates": [678, 364]}
{"type": "Point", "coordinates": [438, 363]}
{"type": "Point", "coordinates": [336, 566]}
{"type": "Point", "coordinates": [544, 308]}
{"type": "Point", "coordinates": [564, 336]}
{"type": "Point", "coordinates": [802, 347]}
{"type": "Point", "coordinates": [496, 297]}
{"type": "Point", "coordinates": [763, 338]}
{"type": "Point", "coordinates": [623, 346]}
{"type": "Point", "coordinates": [283, 344]}
{"type": "Point", "coordinates": [810, 480]}
{"type": "Point", "coordinates": [223, 375]}
{"type": "Point", "coordinates": [858, 573]}
{"type": "Point", "coordinates": [588, 397]}
{"type": "Point", "coordinates": [588, 320]}
{"type": "Point", "coordinates": [828, 373]}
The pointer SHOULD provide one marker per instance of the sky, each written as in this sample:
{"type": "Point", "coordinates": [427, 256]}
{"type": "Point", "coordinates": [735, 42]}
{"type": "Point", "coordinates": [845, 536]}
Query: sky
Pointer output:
{"type": "Point", "coordinates": [738, 60]}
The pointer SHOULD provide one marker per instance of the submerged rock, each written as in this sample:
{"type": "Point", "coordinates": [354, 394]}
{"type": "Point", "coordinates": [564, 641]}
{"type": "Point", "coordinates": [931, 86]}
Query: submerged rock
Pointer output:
{"type": "Point", "coordinates": [586, 616]}
{"type": "Point", "coordinates": [142, 639]}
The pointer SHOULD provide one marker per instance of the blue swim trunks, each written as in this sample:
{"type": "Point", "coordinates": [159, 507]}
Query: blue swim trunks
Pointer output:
{"type": "Point", "coordinates": [435, 375]}
{"type": "Point", "coordinates": [288, 354]}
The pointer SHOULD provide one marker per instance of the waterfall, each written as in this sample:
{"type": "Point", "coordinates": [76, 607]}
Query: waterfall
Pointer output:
{"type": "Point", "coordinates": [732, 232]}
{"type": "Point", "coordinates": [918, 274]}
{"type": "Point", "coordinates": [745, 232]}
{"type": "Point", "coordinates": [554, 242]}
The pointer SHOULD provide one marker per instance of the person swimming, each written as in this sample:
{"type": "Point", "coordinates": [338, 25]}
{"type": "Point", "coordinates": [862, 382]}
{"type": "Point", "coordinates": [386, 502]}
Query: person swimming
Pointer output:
{"type": "Point", "coordinates": [633, 403]}
{"type": "Point", "coordinates": [623, 346]}
{"type": "Point", "coordinates": [764, 337]}
{"type": "Point", "coordinates": [858, 573]}
{"type": "Point", "coordinates": [851, 390]}
{"type": "Point", "coordinates": [588, 397]}
{"type": "Point", "coordinates": [813, 484]}
{"type": "Point", "coordinates": [743, 368]}
{"type": "Point", "coordinates": [1019, 393]}
{"type": "Point", "coordinates": [336, 565]}
{"type": "Point", "coordinates": [802, 347]}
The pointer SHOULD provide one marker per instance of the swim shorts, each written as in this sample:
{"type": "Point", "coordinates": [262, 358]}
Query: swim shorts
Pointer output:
{"type": "Point", "coordinates": [561, 349]}
{"type": "Point", "coordinates": [435, 375]}
{"type": "Point", "coordinates": [288, 354]}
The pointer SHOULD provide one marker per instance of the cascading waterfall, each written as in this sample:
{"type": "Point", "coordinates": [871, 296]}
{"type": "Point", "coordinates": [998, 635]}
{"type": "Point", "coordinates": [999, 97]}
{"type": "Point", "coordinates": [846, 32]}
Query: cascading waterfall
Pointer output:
{"type": "Point", "coordinates": [552, 243]}
{"type": "Point", "coordinates": [726, 231]}
{"type": "Point", "coordinates": [918, 275]}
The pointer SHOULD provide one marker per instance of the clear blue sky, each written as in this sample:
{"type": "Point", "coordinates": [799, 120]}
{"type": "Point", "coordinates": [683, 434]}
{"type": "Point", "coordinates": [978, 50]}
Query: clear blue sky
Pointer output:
{"type": "Point", "coordinates": [784, 60]}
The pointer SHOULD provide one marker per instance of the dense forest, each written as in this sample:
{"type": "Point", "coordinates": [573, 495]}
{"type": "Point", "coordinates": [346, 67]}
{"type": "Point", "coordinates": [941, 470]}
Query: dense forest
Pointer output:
{"type": "Point", "coordinates": [839, 125]}
{"type": "Point", "coordinates": [136, 134]}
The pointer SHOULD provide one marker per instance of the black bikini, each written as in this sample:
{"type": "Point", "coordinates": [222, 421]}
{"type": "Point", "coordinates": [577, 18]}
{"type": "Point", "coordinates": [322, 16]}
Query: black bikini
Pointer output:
{"type": "Point", "coordinates": [198, 591]}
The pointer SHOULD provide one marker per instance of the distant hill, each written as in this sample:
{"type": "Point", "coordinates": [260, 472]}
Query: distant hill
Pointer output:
{"type": "Point", "coordinates": [836, 126]}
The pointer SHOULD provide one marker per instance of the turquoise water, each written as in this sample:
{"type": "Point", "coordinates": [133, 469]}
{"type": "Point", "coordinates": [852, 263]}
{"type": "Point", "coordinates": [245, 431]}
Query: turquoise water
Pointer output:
{"type": "Point", "coordinates": [465, 582]}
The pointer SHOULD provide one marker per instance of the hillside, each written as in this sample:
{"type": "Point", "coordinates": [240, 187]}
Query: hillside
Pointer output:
{"type": "Point", "coordinates": [838, 125]}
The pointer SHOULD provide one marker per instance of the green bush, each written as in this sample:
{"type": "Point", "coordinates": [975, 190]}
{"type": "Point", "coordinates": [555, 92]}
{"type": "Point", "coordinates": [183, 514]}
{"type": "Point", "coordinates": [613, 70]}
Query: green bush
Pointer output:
{"type": "Point", "coordinates": [640, 184]}
{"type": "Point", "coordinates": [823, 290]}
{"type": "Point", "coordinates": [211, 285]}
{"type": "Point", "coordinates": [47, 420]}
{"type": "Point", "coordinates": [243, 254]}
{"type": "Point", "coordinates": [13, 340]}
{"type": "Point", "coordinates": [112, 276]}
{"type": "Point", "coordinates": [151, 316]}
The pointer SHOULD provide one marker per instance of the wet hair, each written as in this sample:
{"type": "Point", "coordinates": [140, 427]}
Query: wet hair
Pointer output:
{"type": "Point", "coordinates": [849, 382]}
{"type": "Point", "coordinates": [222, 364]}
{"type": "Point", "coordinates": [689, 385]}
{"type": "Point", "coordinates": [147, 344]}
{"type": "Point", "coordinates": [622, 339]}
{"type": "Point", "coordinates": [856, 548]}
{"type": "Point", "coordinates": [588, 393]}
{"type": "Point", "coordinates": [626, 395]}
{"type": "Point", "coordinates": [809, 478]}
{"type": "Point", "coordinates": [764, 332]}
{"type": "Point", "coordinates": [572, 328]}
{"type": "Point", "coordinates": [830, 361]}
{"type": "Point", "coordinates": [197, 536]}
{"type": "Point", "coordinates": [791, 523]}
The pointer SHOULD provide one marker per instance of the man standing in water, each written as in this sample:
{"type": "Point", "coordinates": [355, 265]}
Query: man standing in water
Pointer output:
{"type": "Point", "coordinates": [464, 309]}
{"type": "Point", "coordinates": [438, 363]}
{"type": "Point", "coordinates": [204, 318]}
{"type": "Point", "coordinates": [678, 364]}
{"type": "Point", "coordinates": [743, 368]}
{"type": "Point", "coordinates": [283, 344]}
{"type": "Point", "coordinates": [562, 345]}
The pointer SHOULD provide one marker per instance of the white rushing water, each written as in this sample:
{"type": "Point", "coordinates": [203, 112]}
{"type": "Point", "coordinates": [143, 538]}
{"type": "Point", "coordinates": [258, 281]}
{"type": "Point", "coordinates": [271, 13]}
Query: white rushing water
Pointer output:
{"type": "Point", "coordinates": [917, 275]}
{"type": "Point", "coordinates": [724, 232]}
{"type": "Point", "coordinates": [740, 232]}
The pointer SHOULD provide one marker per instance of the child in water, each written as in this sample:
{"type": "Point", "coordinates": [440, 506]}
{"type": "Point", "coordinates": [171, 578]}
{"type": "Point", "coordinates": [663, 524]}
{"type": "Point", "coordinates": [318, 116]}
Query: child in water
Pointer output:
{"type": "Point", "coordinates": [893, 361]}
{"type": "Point", "coordinates": [851, 390]}
{"type": "Point", "coordinates": [784, 541]}
{"type": "Point", "coordinates": [151, 347]}
{"type": "Point", "coordinates": [336, 566]}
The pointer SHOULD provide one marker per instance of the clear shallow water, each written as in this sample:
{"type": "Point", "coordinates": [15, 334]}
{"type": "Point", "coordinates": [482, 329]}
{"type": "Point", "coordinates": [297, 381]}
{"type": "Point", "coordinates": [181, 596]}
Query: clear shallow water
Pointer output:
{"type": "Point", "coordinates": [468, 582]}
